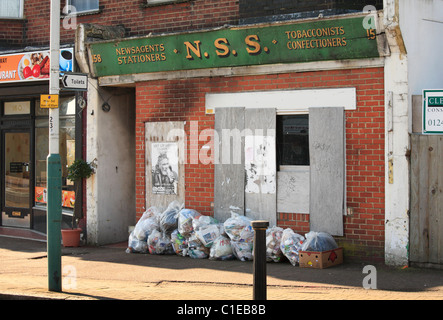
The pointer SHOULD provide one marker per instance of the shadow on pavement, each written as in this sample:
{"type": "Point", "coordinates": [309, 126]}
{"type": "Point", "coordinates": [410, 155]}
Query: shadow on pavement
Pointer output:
{"type": "Point", "coordinates": [347, 274]}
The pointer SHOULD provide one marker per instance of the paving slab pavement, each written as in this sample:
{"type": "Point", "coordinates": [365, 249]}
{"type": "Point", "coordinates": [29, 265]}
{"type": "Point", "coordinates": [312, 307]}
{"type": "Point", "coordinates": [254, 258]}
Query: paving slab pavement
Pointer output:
{"type": "Point", "coordinates": [109, 273]}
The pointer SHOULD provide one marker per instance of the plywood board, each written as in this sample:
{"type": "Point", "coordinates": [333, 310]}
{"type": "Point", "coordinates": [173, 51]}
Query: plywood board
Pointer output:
{"type": "Point", "coordinates": [293, 191]}
{"type": "Point", "coordinates": [417, 113]}
{"type": "Point", "coordinates": [260, 165]}
{"type": "Point", "coordinates": [327, 169]}
{"type": "Point", "coordinates": [426, 222]}
{"type": "Point", "coordinates": [167, 138]}
{"type": "Point", "coordinates": [229, 172]}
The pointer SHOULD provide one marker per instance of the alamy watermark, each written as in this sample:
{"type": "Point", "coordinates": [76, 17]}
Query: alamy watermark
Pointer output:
{"type": "Point", "coordinates": [225, 146]}
{"type": "Point", "coordinates": [69, 277]}
{"type": "Point", "coordinates": [70, 18]}
{"type": "Point", "coordinates": [370, 281]}
{"type": "Point", "coordinates": [370, 21]}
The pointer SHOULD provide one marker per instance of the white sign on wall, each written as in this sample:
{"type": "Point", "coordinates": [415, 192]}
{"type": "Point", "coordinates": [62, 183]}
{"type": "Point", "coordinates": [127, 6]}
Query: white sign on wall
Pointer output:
{"type": "Point", "coordinates": [433, 111]}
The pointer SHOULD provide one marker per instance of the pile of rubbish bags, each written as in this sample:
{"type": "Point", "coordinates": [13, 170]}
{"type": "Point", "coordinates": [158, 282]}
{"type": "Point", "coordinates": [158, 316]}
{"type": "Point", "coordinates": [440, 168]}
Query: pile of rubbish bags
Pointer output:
{"type": "Point", "coordinates": [186, 232]}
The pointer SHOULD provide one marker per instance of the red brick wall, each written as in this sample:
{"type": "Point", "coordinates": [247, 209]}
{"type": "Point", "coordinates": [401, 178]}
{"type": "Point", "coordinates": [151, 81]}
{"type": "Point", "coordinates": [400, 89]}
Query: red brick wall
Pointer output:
{"type": "Point", "coordinates": [138, 20]}
{"type": "Point", "coordinates": [183, 100]}
{"type": "Point", "coordinates": [12, 32]}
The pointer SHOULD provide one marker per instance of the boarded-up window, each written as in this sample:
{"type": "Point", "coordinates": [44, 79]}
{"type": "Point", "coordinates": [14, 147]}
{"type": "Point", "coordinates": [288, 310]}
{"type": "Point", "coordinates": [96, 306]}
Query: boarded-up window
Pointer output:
{"type": "Point", "coordinates": [327, 169]}
{"type": "Point", "coordinates": [245, 174]}
{"type": "Point", "coordinates": [229, 161]}
{"type": "Point", "coordinates": [260, 165]}
{"type": "Point", "coordinates": [246, 178]}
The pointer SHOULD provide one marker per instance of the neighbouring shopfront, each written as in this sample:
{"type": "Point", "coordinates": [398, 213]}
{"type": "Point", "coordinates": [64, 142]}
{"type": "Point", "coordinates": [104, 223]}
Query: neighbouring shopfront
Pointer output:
{"type": "Point", "coordinates": [283, 122]}
{"type": "Point", "coordinates": [24, 131]}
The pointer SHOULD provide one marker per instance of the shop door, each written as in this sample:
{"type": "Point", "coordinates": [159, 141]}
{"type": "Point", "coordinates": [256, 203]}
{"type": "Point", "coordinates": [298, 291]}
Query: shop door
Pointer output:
{"type": "Point", "coordinates": [16, 197]}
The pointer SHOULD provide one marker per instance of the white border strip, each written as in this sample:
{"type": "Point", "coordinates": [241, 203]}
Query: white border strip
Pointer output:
{"type": "Point", "coordinates": [284, 101]}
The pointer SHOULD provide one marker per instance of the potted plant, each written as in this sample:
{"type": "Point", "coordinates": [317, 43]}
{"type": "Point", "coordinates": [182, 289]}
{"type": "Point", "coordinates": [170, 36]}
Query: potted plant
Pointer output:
{"type": "Point", "coordinates": [77, 171]}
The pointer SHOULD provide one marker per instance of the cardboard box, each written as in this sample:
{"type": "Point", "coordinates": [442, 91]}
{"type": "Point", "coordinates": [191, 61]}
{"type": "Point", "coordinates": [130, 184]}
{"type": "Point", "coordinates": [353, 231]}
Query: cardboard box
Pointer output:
{"type": "Point", "coordinates": [321, 260]}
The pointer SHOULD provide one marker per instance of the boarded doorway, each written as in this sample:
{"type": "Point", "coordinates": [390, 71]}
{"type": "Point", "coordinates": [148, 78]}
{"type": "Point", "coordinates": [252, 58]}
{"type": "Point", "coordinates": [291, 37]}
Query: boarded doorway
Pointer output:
{"type": "Point", "coordinates": [165, 163]}
{"type": "Point", "coordinates": [426, 222]}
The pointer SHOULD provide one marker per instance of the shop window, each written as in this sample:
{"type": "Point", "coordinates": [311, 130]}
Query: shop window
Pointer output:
{"type": "Point", "coordinates": [67, 151]}
{"type": "Point", "coordinates": [293, 161]}
{"type": "Point", "coordinates": [292, 140]}
{"type": "Point", "coordinates": [11, 9]}
{"type": "Point", "coordinates": [84, 5]}
{"type": "Point", "coordinates": [17, 108]}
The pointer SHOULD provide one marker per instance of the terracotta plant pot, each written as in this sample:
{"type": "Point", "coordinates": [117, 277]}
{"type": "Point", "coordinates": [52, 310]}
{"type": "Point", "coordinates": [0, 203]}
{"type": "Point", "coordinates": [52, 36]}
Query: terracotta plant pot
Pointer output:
{"type": "Point", "coordinates": [71, 237]}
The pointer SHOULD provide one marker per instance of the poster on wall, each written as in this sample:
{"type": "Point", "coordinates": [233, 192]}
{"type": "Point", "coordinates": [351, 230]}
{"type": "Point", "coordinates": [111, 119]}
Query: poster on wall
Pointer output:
{"type": "Point", "coordinates": [260, 164]}
{"type": "Point", "coordinates": [32, 66]}
{"type": "Point", "coordinates": [164, 159]}
{"type": "Point", "coordinates": [68, 197]}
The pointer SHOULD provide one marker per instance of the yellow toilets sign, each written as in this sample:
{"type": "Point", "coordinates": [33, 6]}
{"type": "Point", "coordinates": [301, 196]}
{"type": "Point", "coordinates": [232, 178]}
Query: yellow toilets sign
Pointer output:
{"type": "Point", "coordinates": [433, 111]}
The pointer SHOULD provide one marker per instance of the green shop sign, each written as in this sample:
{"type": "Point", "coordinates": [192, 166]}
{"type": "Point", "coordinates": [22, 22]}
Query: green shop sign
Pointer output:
{"type": "Point", "coordinates": [236, 46]}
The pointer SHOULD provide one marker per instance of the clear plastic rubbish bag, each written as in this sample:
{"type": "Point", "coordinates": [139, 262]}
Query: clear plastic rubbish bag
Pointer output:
{"type": "Point", "coordinates": [169, 218]}
{"type": "Point", "coordinates": [242, 250]}
{"type": "Point", "coordinates": [319, 241]}
{"type": "Point", "coordinates": [273, 241]}
{"type": "Point", "coordinates": [246, 234]}
{"type": "Point", "coordinates": [164, 244]}
{"type": "Point", "coordinates": [221, 249]}
{"type": "Point", "coordinates": [159, 243]}
{"type": "Point", "coordinates": [135, 245]}
{"type": "Point", "coordinates": [196, 249]}
{"type": "Point", "coordinates": [235, 225]}
{"type": "Point", "coordinates": [152, 241]}
{"type": "Point", "coordinates": [144, 227]}
{"type": "Point", "coordinates": [290, 245]}
{"type": "Point", "coordinates": [179, 243]}
{"type": "Point", "coordinates": [146, 223]}
{"type": "Point", "coordinates": [208, 234]}
{"type": "Point", "coordinates": [152, 212]}
{"type": "Point", "coordinates": [185, 220]}
{"type": "Point", "coordinates": [202, 222]}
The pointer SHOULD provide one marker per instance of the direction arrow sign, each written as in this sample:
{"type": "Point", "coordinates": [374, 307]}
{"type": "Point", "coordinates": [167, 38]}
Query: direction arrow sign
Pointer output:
{"type": "Point", "coordinates": [75, 81]}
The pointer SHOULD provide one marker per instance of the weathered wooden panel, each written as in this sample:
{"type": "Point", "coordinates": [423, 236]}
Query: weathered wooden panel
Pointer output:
{"type": "Point", "coordinates": [426, 221]}
{"type": "Point", "coordinates": [260, 165]}
{"type": "Point", "coordinates": [327, 167]}
{"type": "Point", "coordinates": [417, 113]}
{"type": "Point", "coordinates": [419, 204]}
{"type": "Point", "coordinates": [155, 134]}
{"type": "Point", "coordinates": [293, 190]}
{"type": "Point", "coordinates": [229, 172]}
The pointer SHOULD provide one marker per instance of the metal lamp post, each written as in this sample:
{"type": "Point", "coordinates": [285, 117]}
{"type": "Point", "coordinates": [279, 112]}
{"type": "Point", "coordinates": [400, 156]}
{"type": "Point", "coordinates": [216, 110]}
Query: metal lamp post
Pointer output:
{"type": "Point", "coordinates": [54, 178]}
